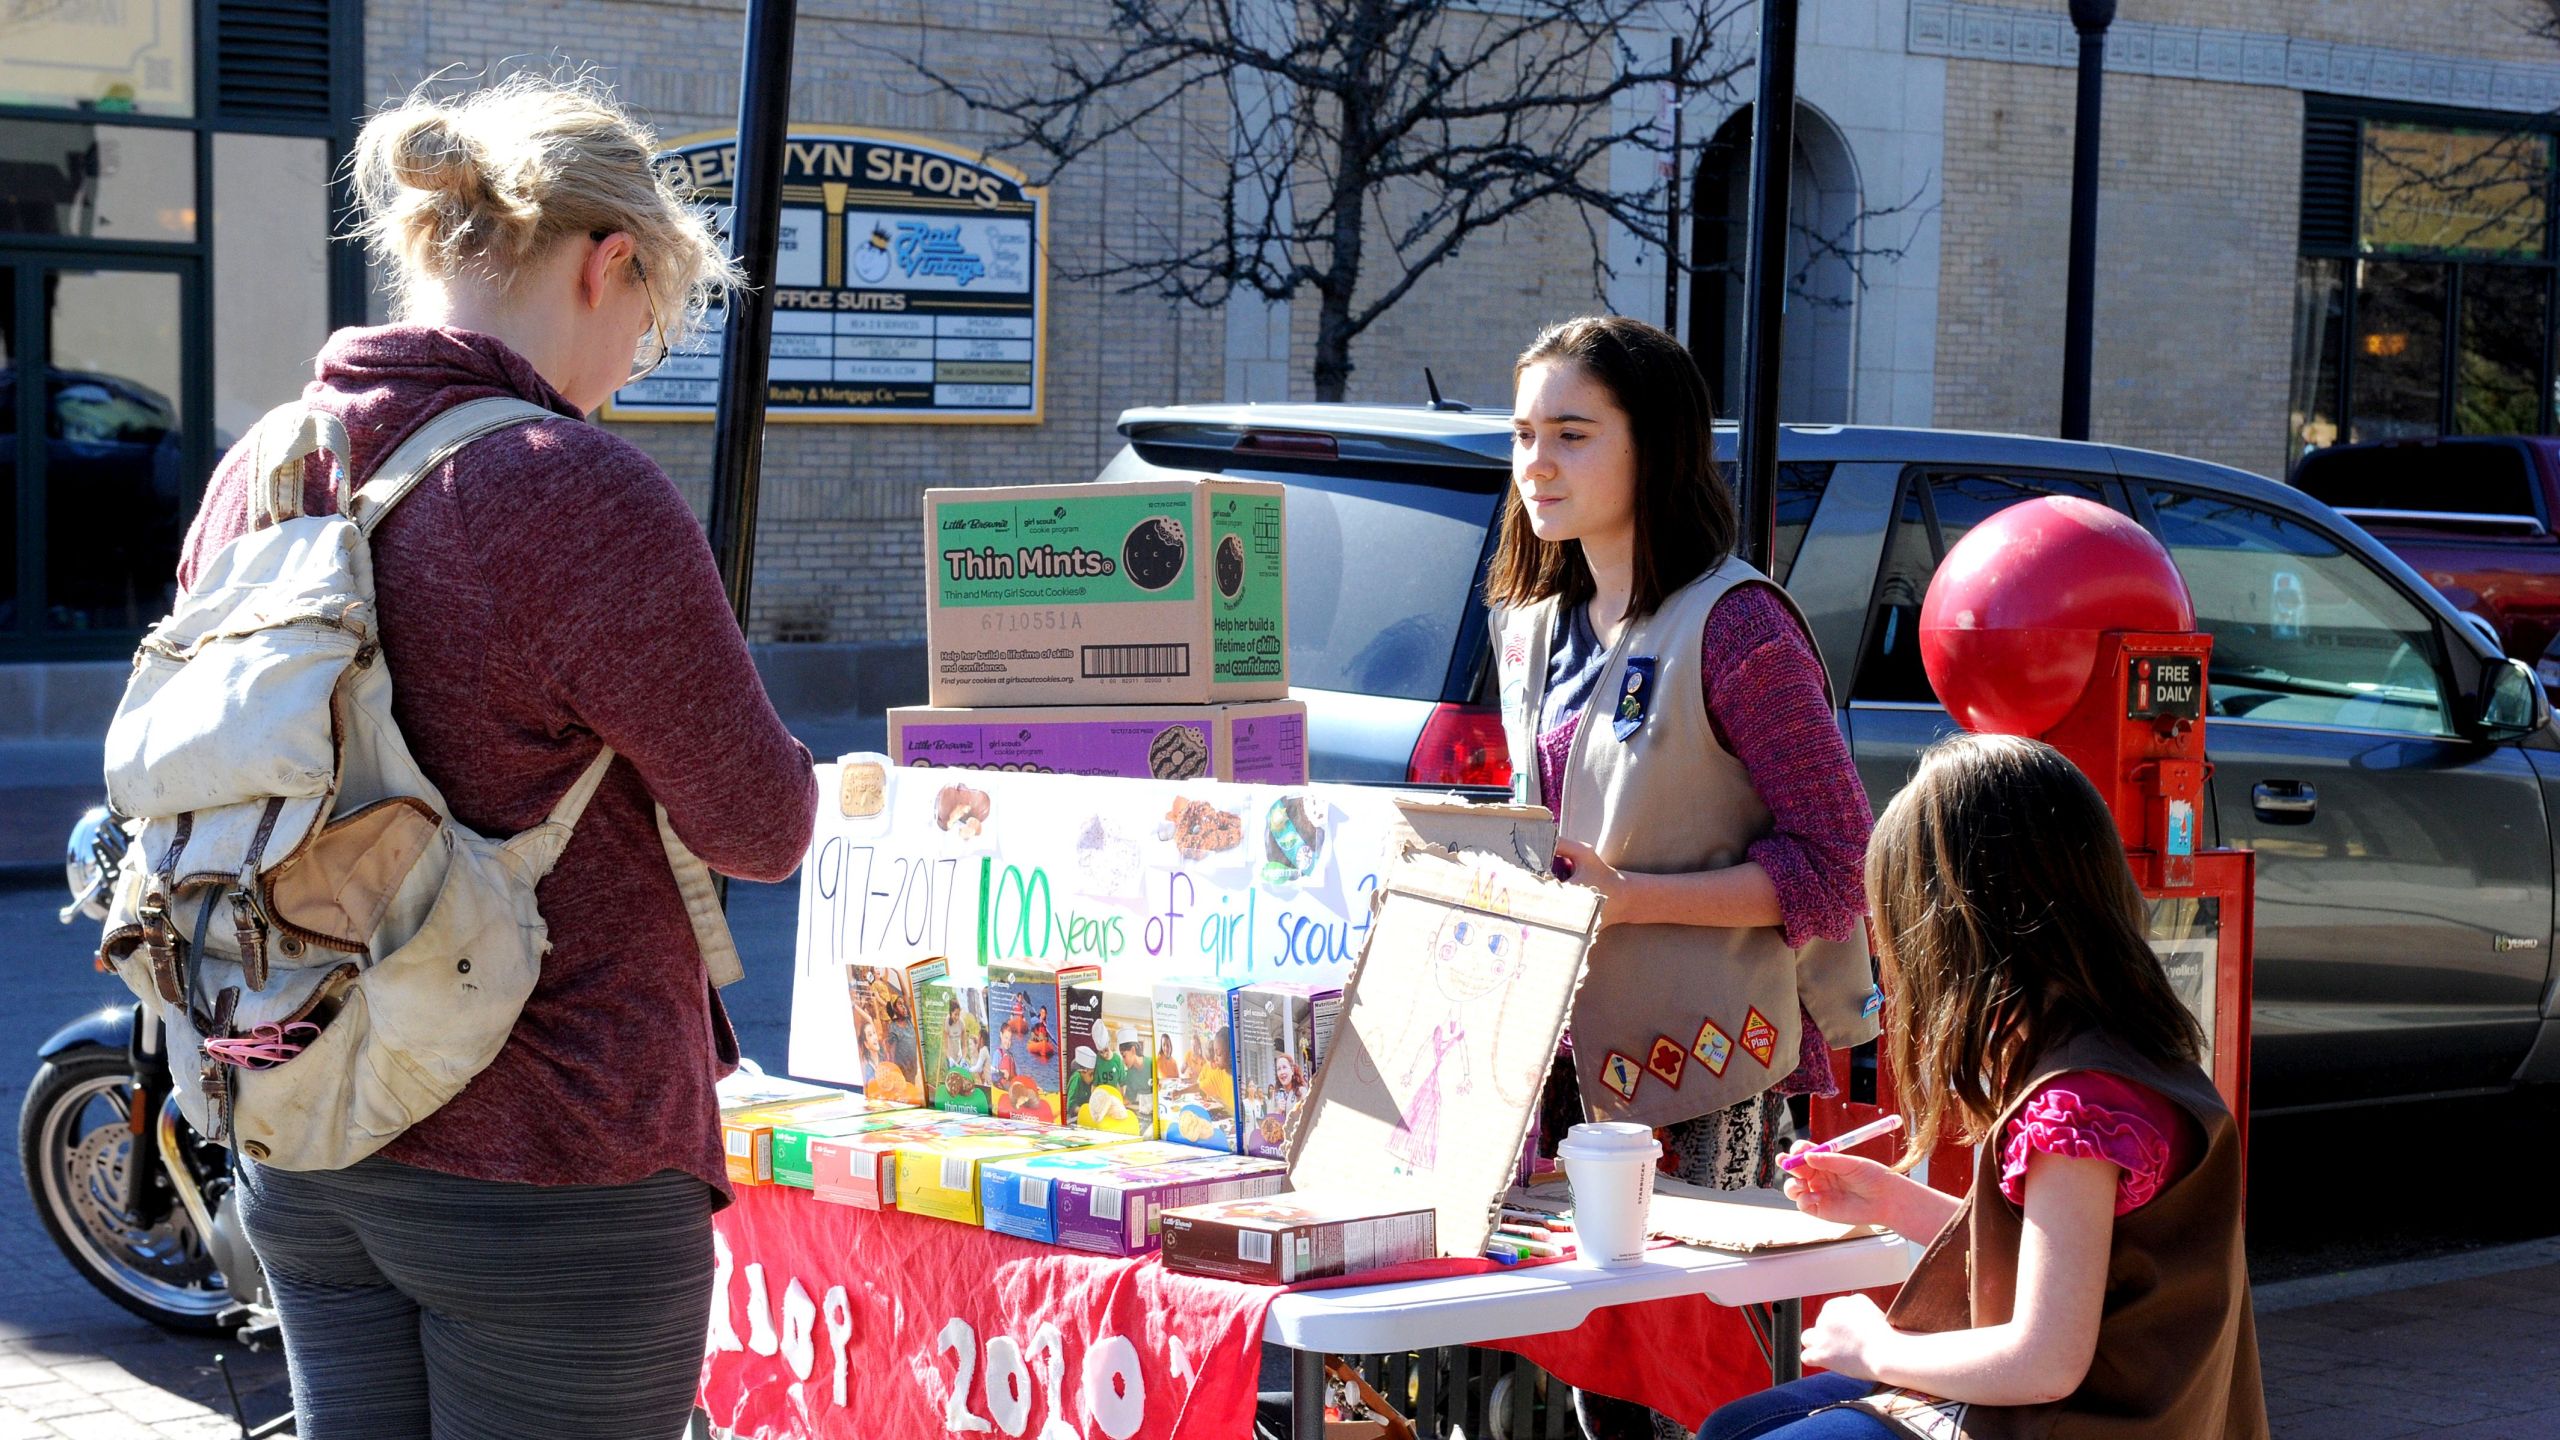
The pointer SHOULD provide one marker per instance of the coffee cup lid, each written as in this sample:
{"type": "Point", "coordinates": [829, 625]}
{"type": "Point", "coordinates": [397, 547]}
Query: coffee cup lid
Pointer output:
{"type": "Point", "coordinates": [1609, 1140]}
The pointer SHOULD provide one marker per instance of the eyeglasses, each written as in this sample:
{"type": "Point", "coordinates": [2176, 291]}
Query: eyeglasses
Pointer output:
{"type": "Point", "coordinates": [651, 350]}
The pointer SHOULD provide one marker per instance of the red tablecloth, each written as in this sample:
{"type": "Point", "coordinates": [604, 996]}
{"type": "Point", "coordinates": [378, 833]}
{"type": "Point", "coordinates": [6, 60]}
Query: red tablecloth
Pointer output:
{"type": "Point", "coordinates": [832, 1321]}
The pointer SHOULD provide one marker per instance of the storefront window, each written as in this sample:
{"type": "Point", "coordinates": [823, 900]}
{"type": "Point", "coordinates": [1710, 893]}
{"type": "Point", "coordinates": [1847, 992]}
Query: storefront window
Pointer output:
{"type": "Point", "coordinates": [2505, 320]}
{"type": "Point", "coordinates": [97, 182]}
{"type": "Point", "coordinates": [2438, 192]}
{"type": "Point", "coordinates": [2399, 349]}
{"type": "Point", "coordinates": [108, 56]}
{"type": "Point", "coordinates": [2423, 299]}
{"type": "Point", "coordinates": [113, 443]}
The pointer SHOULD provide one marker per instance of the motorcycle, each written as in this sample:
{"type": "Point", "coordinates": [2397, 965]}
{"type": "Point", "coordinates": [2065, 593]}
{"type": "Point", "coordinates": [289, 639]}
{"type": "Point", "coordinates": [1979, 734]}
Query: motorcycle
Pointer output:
{"type": "Point", "coordinates": [134, 1198]}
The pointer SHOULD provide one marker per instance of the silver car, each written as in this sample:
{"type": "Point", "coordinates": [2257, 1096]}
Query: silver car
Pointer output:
{"type": "Point", "coordinates": [2404, 835]}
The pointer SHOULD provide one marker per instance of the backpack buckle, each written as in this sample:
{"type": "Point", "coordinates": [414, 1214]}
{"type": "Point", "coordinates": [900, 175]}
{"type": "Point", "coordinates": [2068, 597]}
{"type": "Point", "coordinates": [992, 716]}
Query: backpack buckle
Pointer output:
{"type": "Point", "coordinates": [159, 943]}
{"type": "Point", "coordinates": [249, 927]}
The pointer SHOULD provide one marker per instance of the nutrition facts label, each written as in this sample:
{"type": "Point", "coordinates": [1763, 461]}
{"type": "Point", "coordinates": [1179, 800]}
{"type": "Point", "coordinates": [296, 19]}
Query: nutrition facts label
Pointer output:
{"type": "Point", "coordinates": [909, 284]}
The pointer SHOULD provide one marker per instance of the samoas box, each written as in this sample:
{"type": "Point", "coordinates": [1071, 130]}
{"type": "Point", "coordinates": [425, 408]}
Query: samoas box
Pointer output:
{"type": "Point", "coordinates": [1110, 1058]}
{"type": "Point", "coordinates": [1282, 1033]}
{"type": "Point", "coordinates": [953, 1044]}
{"type": "Point", "coordinates": [1195, 1064]}
{"type": "Point", "coordinates": [1149, 592]}
{"type": "Point", "coordinates": [1263, 743]}
{"type": "Point", "coordinates": [1107, 1201]}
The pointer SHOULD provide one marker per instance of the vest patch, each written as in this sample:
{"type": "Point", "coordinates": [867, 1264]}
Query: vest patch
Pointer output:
{"type": "Point", "coordinates": [1759, 1037]}
{"type": "Point", "coordinates": [1873, 1005]}
{"type": "Point", "coordinates": [1621, 1075]}
{"type": "Point", "coordinates": [1635, 697]}
{"type": "Point", "coordinates": [1667, 1060]}
{"type": "Point", "coordinates": [1714, 1048]}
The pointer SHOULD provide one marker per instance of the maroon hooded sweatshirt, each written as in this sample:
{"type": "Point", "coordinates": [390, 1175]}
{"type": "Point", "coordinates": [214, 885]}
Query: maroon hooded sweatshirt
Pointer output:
{"type": "Point", "coordinates": [545, 593]}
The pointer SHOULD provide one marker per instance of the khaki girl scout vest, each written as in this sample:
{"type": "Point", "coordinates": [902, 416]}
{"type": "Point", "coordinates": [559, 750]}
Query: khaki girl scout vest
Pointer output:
{"type": "Point", "coordinates": [2177, 1351]}
{"type": "Point", "coordinates": [1672, 1021]}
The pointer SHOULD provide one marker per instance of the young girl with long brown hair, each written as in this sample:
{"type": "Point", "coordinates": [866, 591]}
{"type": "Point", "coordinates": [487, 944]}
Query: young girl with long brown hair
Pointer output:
{"type": "Point", "coordinates": [2093, 1282]}
{"type": "Point", "coordinates": [1666, 700]}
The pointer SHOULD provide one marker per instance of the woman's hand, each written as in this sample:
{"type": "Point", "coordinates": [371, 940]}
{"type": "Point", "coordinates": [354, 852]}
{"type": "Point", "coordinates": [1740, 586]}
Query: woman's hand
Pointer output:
{"type": "Point", "coordinates": [1583, 866]}
{"type": "Point", "coordinates": [1844, 1337]}
{"type": "Point", "coordinates": [1845, 1189]}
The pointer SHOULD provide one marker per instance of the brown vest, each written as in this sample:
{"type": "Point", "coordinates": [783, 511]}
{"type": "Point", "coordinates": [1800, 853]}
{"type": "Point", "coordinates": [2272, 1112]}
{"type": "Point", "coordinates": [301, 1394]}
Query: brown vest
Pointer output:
{"type": "Point", "coordinates": [1672, 1021]}
{"type": "Point", "coordinates": [2177, 1354]}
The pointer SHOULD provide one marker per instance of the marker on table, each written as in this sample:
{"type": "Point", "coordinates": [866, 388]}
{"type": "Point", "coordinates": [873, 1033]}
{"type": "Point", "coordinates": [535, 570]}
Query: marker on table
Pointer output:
{"type": "Point", "coordinates": [1860, 1136]}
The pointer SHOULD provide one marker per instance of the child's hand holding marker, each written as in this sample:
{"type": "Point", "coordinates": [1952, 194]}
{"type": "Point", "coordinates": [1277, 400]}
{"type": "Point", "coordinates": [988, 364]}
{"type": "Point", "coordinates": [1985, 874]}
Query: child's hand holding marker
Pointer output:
{"type": "Point", "coordinates": [1852, 1190]}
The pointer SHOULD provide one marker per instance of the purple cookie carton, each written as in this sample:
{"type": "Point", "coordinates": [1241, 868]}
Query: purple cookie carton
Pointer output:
{"type": "Point", "coordinates": [1114, 1211]}
{"type": "Point", "coordinates": [1263, 742]}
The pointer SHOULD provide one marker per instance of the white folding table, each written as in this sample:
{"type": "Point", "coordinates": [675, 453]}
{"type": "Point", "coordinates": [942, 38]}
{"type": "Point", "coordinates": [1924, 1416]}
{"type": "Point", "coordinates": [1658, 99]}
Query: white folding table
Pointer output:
{"type": "Point", "coordinates": [1538, 1300]}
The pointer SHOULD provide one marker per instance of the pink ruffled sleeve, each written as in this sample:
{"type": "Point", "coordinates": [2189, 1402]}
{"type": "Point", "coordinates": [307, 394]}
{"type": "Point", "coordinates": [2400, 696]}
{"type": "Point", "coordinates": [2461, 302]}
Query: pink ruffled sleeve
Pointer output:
{"type": "Point", "coordinates": [2094, 1116]}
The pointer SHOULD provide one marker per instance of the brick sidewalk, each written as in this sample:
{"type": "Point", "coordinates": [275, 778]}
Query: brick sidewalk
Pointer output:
{"type": "Point", "coordinates": [2477, 1357]}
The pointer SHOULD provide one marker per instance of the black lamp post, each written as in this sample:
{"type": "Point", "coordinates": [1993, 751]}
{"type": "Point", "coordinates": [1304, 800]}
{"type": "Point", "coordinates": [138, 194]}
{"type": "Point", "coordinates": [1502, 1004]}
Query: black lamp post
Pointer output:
{"type": "Point", "coordinates": [755, 232]}
{"type": "Point", "coordinates": [2091, 18]}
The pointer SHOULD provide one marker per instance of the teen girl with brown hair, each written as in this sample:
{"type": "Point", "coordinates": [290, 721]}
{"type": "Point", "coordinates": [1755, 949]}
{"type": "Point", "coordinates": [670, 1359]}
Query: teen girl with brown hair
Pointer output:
{"type": "Point", "coordinates": [1666, 701]}
{"type": "Point", "coordinates": [2093, 1282]}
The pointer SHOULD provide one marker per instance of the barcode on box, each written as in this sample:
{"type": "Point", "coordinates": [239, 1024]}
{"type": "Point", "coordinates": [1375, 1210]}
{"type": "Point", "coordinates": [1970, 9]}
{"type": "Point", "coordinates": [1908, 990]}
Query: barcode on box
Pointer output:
{"type": "Point", "coordinates": [1106, 1203]}
{"type": "Point", "coordinates": [1253, 1247]}
{"type": "Point", "coordinates": [1034, 1194]}
{"type": "Point", "coordinates": [742, 1143]}
{"type": "Point", "coordinates": [955, 1172]}
{"type": "Point", "coordinates": [1135, 662]}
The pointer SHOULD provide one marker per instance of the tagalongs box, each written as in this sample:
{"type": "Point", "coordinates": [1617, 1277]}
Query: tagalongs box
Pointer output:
{"type": "Point", "coordinates": [1283, 1239]}
{"type": "Point", "coordinates": [1162, 592]}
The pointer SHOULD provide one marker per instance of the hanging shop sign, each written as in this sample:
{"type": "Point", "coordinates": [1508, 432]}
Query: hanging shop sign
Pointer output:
{"type": "Point", "coordinates": [910, 285]}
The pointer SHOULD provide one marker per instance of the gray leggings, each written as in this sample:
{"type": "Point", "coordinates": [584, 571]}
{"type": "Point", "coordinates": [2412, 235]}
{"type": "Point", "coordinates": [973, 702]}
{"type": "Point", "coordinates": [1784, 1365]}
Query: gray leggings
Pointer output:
{"type": "Point", "coordinates": [424, 1306]}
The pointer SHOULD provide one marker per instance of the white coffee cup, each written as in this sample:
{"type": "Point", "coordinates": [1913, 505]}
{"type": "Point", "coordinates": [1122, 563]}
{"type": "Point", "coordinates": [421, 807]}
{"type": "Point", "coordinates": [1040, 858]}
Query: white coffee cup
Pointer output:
{"type": "Point", "coordinates": [1610, 1165]}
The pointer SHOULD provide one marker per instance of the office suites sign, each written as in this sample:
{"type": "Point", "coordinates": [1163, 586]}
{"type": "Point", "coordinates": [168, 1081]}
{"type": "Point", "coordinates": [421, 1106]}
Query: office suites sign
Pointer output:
{"type": "Point", "coordinates": [910, 284]}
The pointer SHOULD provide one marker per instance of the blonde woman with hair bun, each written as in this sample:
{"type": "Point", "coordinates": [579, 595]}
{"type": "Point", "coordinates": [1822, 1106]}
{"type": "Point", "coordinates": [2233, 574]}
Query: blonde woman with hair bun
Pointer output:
{"type": "Point", "coordinates": [535, 1258]}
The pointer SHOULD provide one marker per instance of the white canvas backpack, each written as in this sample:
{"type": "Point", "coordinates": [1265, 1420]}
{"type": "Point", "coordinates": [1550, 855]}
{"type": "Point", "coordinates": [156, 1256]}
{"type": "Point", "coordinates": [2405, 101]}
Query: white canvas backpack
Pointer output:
{"type": "Point", "coordinates": [333, 956]}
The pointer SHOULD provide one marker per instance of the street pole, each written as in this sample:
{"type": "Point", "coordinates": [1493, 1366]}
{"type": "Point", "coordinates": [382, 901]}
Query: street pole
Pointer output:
{"type": "Point", "coordinates": [1671, 227]}
{"type": "Point", "coordinates": [1764, 283]}
{"type": "Point", "coordinates": [2079, 306]}
{"type": "Point", "coordinates": [755, 231]}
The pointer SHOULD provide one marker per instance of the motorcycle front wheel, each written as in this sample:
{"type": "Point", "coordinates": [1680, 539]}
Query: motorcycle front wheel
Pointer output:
{"type": "Point", "coordinates": [75, 1142]}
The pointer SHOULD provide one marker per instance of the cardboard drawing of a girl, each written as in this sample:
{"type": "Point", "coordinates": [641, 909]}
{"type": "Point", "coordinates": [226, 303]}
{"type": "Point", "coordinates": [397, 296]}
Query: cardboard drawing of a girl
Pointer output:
{"type": "Point", "coordinates": [1473, 955]}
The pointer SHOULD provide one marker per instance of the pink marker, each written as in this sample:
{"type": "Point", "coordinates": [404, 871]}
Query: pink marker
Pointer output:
{"type": "Point", "coordinates": [1855, 1138]}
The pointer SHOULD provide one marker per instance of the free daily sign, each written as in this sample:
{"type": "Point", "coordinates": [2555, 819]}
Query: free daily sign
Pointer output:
{"type": "Point", "coordinates": [1148, 879]}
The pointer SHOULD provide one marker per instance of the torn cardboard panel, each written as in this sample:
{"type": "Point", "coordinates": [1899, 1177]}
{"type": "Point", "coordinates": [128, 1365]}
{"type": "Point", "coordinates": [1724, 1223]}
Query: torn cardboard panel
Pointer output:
{"type": "Point", "coordinates": [1523, 835]}
{"type": "Point", "coordinates": [1452, 1020]}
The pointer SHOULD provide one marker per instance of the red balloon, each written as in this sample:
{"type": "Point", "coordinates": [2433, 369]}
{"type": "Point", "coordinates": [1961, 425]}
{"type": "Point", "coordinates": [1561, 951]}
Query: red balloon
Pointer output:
{"type": "Point", "coordinates": [2010, 629]}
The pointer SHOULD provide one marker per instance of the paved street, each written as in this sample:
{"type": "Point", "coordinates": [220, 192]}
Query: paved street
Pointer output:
{"type": "Point", "coordinates": [2463, 1346]}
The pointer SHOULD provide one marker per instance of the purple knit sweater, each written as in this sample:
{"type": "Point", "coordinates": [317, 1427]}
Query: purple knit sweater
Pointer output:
{"type": "Point", "coordinates": [543, 595]}
{"type": "Point", "coordinates": [1766, 700]}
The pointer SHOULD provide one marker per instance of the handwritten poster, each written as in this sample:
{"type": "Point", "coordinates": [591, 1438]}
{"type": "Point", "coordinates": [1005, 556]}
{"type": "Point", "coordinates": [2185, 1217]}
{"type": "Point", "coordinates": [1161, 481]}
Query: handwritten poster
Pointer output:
{"type": "Point", "coordinates": [1148, 879]}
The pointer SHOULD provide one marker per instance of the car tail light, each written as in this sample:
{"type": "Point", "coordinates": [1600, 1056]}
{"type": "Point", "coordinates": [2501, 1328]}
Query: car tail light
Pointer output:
{"type": "Point", "coordinates": [1460, 745]}
{"type": "Point", "coordinates": [1297, 444]}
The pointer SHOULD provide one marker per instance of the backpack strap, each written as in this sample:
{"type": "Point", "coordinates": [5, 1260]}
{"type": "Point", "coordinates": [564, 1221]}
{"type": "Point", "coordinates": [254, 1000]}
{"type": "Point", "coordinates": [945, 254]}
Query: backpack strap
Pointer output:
{"type": "Point", "coordinates": [539, 848]}
{"type": "Point", "coordinates": [277, 448]}
{"type": "Point", "coordinates": [430, 446]}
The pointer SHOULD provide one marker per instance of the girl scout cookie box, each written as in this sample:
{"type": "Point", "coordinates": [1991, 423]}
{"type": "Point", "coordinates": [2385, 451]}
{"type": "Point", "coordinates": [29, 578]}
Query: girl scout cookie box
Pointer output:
{"type": "Point", "coordinates": [1027, 1013]}
{"type": "Point", "coordinates": [746, 1131]}
{"type": "Point", "coordinates": [1196, 1064]}
{"type": "Point", "coordinates": [938, 1175]}
{"type": "Point", "coordinates": [1283, 1239]}
{"type": "Point", "coordinates": [792, 1139]}
{"type": "Point", "coordinates": [1110, 1058]}
{"type": "Point", "coordinates": [858, 1166]}
{"type": "Point", "coordinates": [1160, 592]}
{"type": "Point", "coordinates": [1263, 743]}
{"type": "Point", "coordinates": [1107, 1200]}
{"type": "Point", "coordinates": [1282, 1033]}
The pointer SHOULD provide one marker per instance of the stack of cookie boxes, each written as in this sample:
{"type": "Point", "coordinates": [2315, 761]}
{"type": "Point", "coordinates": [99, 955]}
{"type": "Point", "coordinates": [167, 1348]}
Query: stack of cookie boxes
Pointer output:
{"type": "Point", "coordinates": [1136, 629]}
